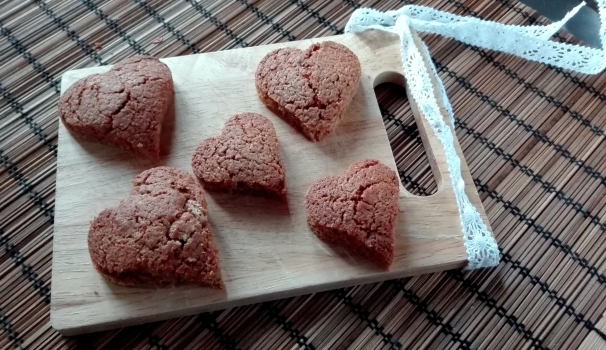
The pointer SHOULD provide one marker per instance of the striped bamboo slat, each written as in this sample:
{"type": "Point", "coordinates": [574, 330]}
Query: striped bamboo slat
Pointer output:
{"type": "Point", "coordinates": [533, 136]}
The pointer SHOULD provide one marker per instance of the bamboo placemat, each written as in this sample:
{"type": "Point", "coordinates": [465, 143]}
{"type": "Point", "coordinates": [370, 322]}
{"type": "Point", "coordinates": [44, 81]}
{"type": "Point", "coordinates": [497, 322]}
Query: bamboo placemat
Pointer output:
{"type": "Point", "coordinates": [533, 137]}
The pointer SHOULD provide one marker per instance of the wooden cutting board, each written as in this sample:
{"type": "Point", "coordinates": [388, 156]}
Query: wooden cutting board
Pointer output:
{"type": "Point", "coordinates": [266, 249]}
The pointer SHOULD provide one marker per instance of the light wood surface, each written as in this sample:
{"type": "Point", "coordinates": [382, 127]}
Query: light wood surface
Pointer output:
{"type": "Point", "coordinates": [266, 248]}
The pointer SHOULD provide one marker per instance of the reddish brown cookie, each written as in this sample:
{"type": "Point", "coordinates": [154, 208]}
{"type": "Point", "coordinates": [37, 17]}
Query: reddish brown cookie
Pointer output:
{"type": "Point", "coordinates": [244, 158]}
{"type": "Point", "coordinates": [158, 236]}
{"type": "Point", "coordinates": [124, 107]}
{"type": "Point", "coordinates": [310, 89]}
{"type": "Point", "coordinates": [357, 211]}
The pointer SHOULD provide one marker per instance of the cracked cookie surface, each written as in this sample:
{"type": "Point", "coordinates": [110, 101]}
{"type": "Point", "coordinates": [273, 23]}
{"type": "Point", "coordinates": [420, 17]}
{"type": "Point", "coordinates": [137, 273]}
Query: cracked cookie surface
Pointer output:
{"type": "Point", "coordinates": [357, 211]}
{"type": "Point", "coordinates": [158, 236]}
{"type": "Point", "coordinates": [124, 107]}
{"type": "Point", "coordinates": [310, 89]}
{"type": "Point", "coordinates": [244, 158]}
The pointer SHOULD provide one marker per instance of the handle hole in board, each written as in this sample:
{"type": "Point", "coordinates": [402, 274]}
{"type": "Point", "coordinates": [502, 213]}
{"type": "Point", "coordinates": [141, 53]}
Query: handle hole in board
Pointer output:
{"type": "Point", "coordinates": [404, 138]}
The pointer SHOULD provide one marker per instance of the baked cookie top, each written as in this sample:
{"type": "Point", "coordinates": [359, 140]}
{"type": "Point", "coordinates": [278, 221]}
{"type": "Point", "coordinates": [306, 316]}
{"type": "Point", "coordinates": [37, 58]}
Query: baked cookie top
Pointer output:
{"type": "Point", "coordinates": [244, 158]}
{"type": "Point", "coordinates": [158, 236]}
{"type": "Point", "coordinates": [311, 89]}
{"type": "Point", "coordinates": [124, 107]}
{"type": "Point", "coordinates": [357, 211]}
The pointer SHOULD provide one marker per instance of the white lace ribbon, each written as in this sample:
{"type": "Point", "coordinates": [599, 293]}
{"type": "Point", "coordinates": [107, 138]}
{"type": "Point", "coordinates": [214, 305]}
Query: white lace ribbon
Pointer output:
{"type": "Point", "coordinates": [529, 42]}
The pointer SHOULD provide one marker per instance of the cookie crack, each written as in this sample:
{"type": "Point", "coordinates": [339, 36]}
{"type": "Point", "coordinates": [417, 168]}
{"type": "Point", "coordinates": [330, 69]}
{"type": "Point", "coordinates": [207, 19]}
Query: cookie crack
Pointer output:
{"type": "Point", "coordinates": [122, 106]}
{"type": "Point", "coordinates": [129, 99]}
{"type": "Point", "coordinates": [357, 199]}
{"type": "Point", "coordinates": [180, 234]}
{"type": "Point", "coordinates": [316, 99]}
{"type": "Point", "coordinates": [79, 96]}
{"type": "Point", "coordinates": [311, 50]}
{"type": "Point", "coordinates": [369, 165]}
{"type": "Point", "coordinates": [146, 80]}
{"type": "Point", "coordinates": [167, 224]}
{"type": "Point", "coordinates": [316, 102]}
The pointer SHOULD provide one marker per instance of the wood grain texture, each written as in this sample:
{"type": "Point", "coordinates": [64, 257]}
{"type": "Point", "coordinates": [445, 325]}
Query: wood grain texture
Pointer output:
{"type": "Point", "coordinates": [267, 250]}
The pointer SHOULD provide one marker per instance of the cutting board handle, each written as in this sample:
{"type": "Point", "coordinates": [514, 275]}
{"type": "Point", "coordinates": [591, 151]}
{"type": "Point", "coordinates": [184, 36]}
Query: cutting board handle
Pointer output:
{"type": "Point", "coordinates": [433, 148]}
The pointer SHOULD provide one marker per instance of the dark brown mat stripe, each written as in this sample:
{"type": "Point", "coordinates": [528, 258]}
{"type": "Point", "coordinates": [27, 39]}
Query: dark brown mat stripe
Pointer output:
{"type": "Point", "coordinates": [533, 137]}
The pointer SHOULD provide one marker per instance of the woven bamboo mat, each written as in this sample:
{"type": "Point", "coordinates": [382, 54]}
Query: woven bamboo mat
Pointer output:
{"type": "Point", "coordinates": [533, 137]}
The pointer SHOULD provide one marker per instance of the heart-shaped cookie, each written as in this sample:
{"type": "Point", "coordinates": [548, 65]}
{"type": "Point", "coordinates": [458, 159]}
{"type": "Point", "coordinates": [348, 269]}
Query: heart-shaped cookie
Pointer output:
{"type": "Point", "coordinates": [310, 89]}
{"type": "Point", "coordinates": [244, 158]}
{"type": "Point", "coordinates": [158, 236]}
{"type": "Point", "coordinates": [357, 211]}
{"type": "Point", "coordinates": [124, 107]}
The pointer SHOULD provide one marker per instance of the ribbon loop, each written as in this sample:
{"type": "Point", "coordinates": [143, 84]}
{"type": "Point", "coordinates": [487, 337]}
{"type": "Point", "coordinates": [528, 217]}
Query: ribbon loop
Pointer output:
{"type": "Point", "coordinates": [529, 42]}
